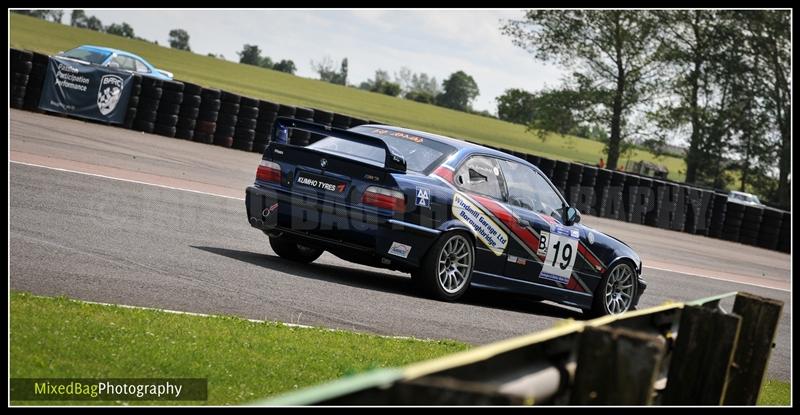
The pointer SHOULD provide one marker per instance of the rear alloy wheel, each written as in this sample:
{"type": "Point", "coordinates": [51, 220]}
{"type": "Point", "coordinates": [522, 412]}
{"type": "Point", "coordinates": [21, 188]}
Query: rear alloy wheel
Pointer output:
{"type": "Point", "coordinates": [447, 268]}
{"type": "Point", "coordinates": [288, 248]}
{"type": "Point", "coordinates": [616, 291]}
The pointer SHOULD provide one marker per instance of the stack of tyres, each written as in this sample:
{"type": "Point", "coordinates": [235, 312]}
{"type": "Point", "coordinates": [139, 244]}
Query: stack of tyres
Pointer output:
{"type": "Point", "coordinates": [629, 193]}
{"type": "Point", "coordinates": [267, 112]}
{"type": "Point", "coordinates": [245, 132]}
{"type": "Point", "coordinates": [33, 90]}
{"type": "Point", "coordinates": [716, 220]}
{"type": "Point", "coordinates": [168, 108]}
{"type": "Point", "coordinates": [698, 203]}
{"type": "Point", "coordinates": [324, 118]}
{"type": "Point", "coordinates": [189, 111]}
{"type": "Point", "coordinates": [547, 166]}
{"type": "Point", "coordinates": [584, 198]}
{"type": "Point", "coordinates": [574, 176]}
{"type": "Point", "coordinates": [341, 121]}
{"type": "Point", "coordinates": [297, 137]}
{"type": "Point", "coordinates": [532, 158]}
{"type": "Point", "coordinates": [784, 236]}
{"type": "Point", "coordinates": [133, 101]}
{"type": "Point", "coordinates": [645, 200]}
{"type": "Point", "coordinates": [601, 189]}
{"type": "Point", "coordinates": [207, 116]}
{"type": "Point", "coordinates": [149, 100]}
{"type": "Point", "coordinates": [560, 174]}
{"type": "Point", "coordinates": [751, 224]}
{"type": "Point", "coordinates": [21, 64]}
{"type": "Point", "coordinates": [769, 232]}
{"type": "Point", "coordinates": [355, 122]}
{"type": "Point", "coordinates": [226, 121]}
{"type": "Point", "coordinates": [734, 214]}
{"type": "Point", "coordinates": [287, 111]}
{"type": "Point", "coordinates": [679, 218]}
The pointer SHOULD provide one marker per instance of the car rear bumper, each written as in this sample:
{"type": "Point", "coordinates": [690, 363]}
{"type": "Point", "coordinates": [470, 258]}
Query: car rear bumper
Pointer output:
{"type": "Point", "coordinates": [342, 229]}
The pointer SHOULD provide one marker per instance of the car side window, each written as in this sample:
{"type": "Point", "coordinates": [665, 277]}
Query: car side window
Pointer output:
{"type": "Point", "coordinates": [480, 175]}
{"type": "Point", "coordinates": [141, 67]}
{"type": "Point", "coordinates": [124, 62]}
{"type": "Point", "coordinates": [529, 190]}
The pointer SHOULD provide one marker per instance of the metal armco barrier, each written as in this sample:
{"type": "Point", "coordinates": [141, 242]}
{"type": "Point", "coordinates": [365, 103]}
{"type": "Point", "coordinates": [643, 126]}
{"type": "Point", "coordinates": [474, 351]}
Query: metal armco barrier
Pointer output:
{"type": "Point", "coordinates": [214, 117]}
{"type": "Point", "coordinates": [691, 353]}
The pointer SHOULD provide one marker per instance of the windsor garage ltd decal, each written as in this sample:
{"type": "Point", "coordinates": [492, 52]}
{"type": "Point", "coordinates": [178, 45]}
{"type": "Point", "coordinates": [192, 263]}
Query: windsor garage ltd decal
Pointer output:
{"type": "Point", "coordinates": [484, 227]}
{"type": "Point", "coordinates": [86, 91]}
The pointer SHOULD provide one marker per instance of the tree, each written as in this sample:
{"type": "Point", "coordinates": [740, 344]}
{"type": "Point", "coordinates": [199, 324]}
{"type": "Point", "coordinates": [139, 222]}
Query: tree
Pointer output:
{"type": "Point", "coordinates": [459, 91]}
{"type": "Point", "coordinates": [516, 105]}
{"type": "Point", "coordinates": [52, 15]}
{"type": "Point", "coordinates": [78, 19]}
{"type": "Point", "coordinates": [421, 96]}
{"type": "Point", "coordinates": [770, 37]}
{"type": "Point", "coordinates": [179, 39]}
{"type": "Point", "coordinates": [382, 84]}
{"type": "Point", "coordinates": [93, 23]}
{"type": "Point", "coordinates": [327, 72]}
{"type": "Point", "coordinates": [285, 65]}
{"type": "Point", "coordinates": [124, 30]}
{"type": "Point", "coordinates": [614, 51]}
{"type": "Point", "coordinates": [250, 55]}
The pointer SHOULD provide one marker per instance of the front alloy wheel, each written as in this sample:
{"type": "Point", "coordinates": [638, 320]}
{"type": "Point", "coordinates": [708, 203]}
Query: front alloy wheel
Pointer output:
{"type": "Point", "coordinates": [616, 291]}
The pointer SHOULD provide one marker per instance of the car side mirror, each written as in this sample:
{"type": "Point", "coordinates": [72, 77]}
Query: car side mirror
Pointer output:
{"type": "Point", "coordinates": [113, 65]}
{"type": "Point", "coordinates": [572, 216]}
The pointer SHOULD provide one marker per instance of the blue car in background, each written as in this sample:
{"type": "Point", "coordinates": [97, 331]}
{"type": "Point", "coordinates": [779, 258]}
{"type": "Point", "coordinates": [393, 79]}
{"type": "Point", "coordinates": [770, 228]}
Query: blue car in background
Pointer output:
{"type": "Point", "coordinates": [114, 58]}
{"type": "Point", "coordinates": [453, 214]}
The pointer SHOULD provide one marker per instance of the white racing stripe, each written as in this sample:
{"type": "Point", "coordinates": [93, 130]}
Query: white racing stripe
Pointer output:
{"type": "Point", "coordinates": [236, 198]}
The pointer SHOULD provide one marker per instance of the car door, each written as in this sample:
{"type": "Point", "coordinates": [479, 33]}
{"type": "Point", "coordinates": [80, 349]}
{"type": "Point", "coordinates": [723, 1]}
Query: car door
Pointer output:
{"type": "Point", "coordinates": [478, 181]}
{"type": "Point", "coordinates": [547, 250]}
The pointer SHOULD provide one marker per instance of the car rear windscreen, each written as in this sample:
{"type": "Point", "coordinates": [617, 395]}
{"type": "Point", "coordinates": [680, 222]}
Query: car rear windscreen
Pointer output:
{"type": "Point", "coordinates": [421, 154]}
{"type": "Point", "coordinates": [91, 56]}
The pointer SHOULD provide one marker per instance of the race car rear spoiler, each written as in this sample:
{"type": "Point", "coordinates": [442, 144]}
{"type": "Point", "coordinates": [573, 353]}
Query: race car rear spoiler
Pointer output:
{"type": "Point", "coordinates": [394, 162]}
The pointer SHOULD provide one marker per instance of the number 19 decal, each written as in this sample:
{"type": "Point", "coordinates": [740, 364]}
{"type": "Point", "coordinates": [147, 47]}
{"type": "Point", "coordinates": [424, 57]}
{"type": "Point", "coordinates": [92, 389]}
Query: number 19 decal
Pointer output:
{"type": "Point", "coordinates": [562, 248]}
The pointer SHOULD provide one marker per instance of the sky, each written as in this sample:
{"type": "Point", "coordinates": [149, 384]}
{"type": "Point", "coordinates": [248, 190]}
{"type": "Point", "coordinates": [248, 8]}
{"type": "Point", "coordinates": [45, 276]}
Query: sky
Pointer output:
{"type": "Point", "coordinates": [437, 42]}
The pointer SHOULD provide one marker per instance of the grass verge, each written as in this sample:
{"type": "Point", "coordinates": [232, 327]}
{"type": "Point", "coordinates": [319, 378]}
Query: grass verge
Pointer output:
{"type": "Point", "coordinates": [242, 360]}
{"type": "Point", "coordinates": [47, 37]}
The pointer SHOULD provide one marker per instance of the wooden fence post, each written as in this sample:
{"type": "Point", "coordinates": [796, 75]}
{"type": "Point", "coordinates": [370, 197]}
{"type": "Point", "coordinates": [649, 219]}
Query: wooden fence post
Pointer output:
{"type": "Point", "coordinates": [616, 367]}
{"type": "Point", "coordinates": [703, 352]}
{"type": "Point", "coordinates": [760, 318]}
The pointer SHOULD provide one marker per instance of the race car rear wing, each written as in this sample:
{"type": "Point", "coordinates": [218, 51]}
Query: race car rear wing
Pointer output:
{"type": "Point", "coordinates": [394, 162]}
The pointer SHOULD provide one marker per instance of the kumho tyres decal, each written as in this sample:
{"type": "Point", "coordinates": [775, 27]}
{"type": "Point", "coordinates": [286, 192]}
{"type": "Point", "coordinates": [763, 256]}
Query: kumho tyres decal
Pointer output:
{"type": "Point", "coordinates": [481, 225]}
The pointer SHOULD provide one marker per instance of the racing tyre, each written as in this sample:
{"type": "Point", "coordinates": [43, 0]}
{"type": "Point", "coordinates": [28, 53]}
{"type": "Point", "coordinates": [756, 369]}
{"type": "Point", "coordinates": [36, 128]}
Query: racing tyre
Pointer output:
{"type": "Point", "coordinates": [446, 270]}
{"type": "Point", "coordinates": [616, 291]}
{"type": "Point", "coordinates": [288, 248]}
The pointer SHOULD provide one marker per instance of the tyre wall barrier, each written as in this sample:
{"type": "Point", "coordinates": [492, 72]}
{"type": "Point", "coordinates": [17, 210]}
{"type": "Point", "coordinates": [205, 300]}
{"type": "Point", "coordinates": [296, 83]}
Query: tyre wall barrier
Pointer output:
{"type": "Point", "coordinates": [658, 356]}
{"type": "Point", "coordinates": [207, 115]}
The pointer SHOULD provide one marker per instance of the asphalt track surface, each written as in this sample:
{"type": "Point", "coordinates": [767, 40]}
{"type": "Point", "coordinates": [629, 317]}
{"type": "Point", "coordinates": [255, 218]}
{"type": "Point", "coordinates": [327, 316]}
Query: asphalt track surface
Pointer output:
{"type": "Point", "coordinates": [110, 215]}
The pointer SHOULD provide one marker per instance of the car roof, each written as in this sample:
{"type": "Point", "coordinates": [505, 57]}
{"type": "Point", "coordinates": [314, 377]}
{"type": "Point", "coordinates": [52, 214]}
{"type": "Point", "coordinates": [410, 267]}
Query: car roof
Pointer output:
{"type": "Point", "coordinates": [110, 50]}
{"type": "Point", "coordinates": [458, 144]}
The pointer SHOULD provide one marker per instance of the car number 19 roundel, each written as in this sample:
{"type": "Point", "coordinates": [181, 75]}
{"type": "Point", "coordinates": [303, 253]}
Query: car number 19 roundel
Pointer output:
{"type": "Point", "coordinates": [561, 246]}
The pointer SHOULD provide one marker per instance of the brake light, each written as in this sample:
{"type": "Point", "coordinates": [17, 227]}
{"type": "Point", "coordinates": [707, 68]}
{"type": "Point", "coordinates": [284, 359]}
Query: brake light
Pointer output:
{"type": "Point", "coordinates": [269, 171]}
{"type": "Point", "coordinates": [383, 198]}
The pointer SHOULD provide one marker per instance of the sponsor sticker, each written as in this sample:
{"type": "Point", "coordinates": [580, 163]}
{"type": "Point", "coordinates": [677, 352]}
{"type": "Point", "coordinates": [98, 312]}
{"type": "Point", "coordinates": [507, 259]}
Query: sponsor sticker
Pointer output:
{"type": "Point", "coordinates": [423, 197]}
{"type": "Point", "coordinates": [398, 249]}
{"type": "Point", "coordinates": [484, 228]}
{"type": "Point", "coordinates": [590, 237]}
{"type": "Point", "coordinates": [517, 260]}
{"type": "Point", "coordinates": [562, 249]}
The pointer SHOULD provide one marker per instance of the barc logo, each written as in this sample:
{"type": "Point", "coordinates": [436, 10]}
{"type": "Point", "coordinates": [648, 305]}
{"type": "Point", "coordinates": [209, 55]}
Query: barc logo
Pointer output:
{"type": "Point", "coordinates": [109, 93]}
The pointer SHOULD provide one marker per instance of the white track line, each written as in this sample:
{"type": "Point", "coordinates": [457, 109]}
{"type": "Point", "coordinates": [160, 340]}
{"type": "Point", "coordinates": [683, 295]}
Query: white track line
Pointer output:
{"type": "Point", "coordinates": [236, 198]}
{"type": "Point", "coordinates": [716, 278]}
{"type": "Point", "coordinates": [125, 180]}
{"type": "Point", "coordinates": [189, 313]}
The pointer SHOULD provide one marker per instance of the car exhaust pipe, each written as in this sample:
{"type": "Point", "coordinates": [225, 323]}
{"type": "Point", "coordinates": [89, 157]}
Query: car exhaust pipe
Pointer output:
{"type": "Point", "coordinates": [258, 223]}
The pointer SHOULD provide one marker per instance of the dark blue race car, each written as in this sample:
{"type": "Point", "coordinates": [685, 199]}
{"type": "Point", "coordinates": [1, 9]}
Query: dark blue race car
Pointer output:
{"type": "Point", "coordinates": [453, 214]}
